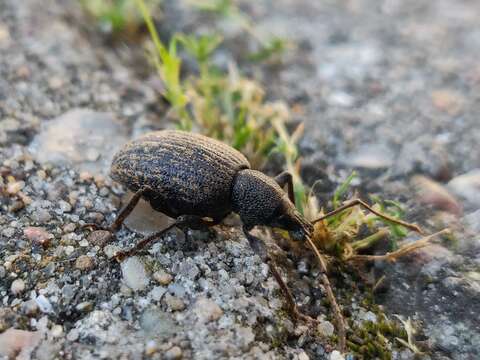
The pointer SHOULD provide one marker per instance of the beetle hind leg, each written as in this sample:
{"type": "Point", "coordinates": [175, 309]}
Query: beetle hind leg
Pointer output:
{"type": "Point", "coordinates": [259, 248]}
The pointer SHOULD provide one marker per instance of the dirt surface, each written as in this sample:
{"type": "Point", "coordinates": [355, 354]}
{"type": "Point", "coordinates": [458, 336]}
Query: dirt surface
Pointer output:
{"type": "Point", "coordinates": [387, 88]}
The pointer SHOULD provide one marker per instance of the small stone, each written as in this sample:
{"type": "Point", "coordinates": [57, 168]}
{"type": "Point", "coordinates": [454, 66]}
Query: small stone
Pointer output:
{"type": "Point", "coordinates": [85, 306]}
{"type": "Point", "coordinates": [30, 308]}
{"type": "Point", "coordinates": [134, 274]}
{"type": "Point", "coordinates": [64, 206]}
{"type": "Point", "coordinates": [17, 287]}
{"type": "Point", "coordinates": [44, 304]}
{"type": "Point", "coordinates": [157, 293]}
{"type": "Point", "coordinates": [151, 348]}
{"type": "Point", "coordinates": [326, 328]}
{"type": "Point", "coordinates": [8, 232]}
{"type": "Point", "coordinates": [336, 355]}
{"type": "Point", "coordinates": [14, 342]}
{"type": "Point", "coordinates": [41, 216]}
{"type": "Point", "coordinates": [69, 228]}
{"type": "Point", "coordinates": [175, 303]}
{"type": "Point", "coordinates": [174, 353]}
{"type": "Point", "coordinates": [162, 277]}
{"type": "Point", "coordinates": [84, 243]}
{"type": "Point", "coordinates": [111, 250]}
{"type": "Point", "coordinates": [37, 235]}
{"type": "Point", "coordinates": [303, 356]}
{"type": "Point", "coordinates": [57, 331]}
{"type": "Point", "coordinates": [467, 186]}
{"type": "Point", "coordinates": [207, 310]}
{"type": "Point", "coordinates": [69, 250]}
{"type": "Point", "coordinates": [434, 194]}
{"type": "Point", "coordinates": [99, 237]}
{"type": "Point", "coordinates": [3, 272]}
{"type": "Point", "coordinates": [14, 187]}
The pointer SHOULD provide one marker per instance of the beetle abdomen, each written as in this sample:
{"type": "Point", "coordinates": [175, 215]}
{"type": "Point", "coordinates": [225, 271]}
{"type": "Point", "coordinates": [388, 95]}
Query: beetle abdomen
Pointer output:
{"type": "Point", "coordinates": [189, 174]}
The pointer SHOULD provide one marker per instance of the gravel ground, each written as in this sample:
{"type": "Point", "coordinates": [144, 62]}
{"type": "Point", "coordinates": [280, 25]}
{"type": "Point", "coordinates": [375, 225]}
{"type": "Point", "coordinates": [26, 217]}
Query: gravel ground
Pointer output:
{"type": "Point", "coordinates": [389, 88]}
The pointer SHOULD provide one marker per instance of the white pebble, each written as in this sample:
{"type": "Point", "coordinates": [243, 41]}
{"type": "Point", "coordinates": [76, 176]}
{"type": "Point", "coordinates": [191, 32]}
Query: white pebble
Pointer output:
{"type": "Point", "coordinates": [44, 304]}
{"type": "Point", "coordinates": [134, 274]}
{"type": "Point", "coordinates": [17, 287]}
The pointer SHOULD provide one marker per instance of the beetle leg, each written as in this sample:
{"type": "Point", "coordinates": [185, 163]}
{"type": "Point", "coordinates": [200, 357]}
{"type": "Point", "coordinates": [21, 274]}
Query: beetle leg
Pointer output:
{"type": "Point", "coordinates": [120, 256]}
{"type": "Point", "coordinates": [285, 178]}
{"type": "Point", "coordinates": [183, 222]}
{"type": "Point", "coordinates": [128, 208]}
{"type": "Point", "coordinates": [260, 249]}
{"type": "Point", "coordinates": [360, 202]}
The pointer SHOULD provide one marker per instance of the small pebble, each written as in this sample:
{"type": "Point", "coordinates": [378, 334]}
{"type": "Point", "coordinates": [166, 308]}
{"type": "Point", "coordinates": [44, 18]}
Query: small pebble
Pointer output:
{"type": "Point", "coordinates": [3, 272]}
{"type": "Point", "coordinates": [336, 355]}
{"type": "Point", "coordinates": [151, 348]}
{"type": "Point", "coordinates": [85, 306]}
{"type": "Point", "coordinates": [14, 187]}
{"type": "Point", "coordinates": [69, 228]}
{"type": "Point", "coordinates": [162, 277]}
{"type": "Point", "coordinates": [30, 308]}
{"type": "Point", "coordinates": [174, 353]}
{"type": "Point", "coordinates": [17, 287]}
{"type": "Point", "coordinates": [134, 274]}
{"type": "Point", "coordinates": [44, 304]}
{"type": "Point", "coordinates": [14, 342]}
{"type": "Point", "coordinates": [175, 303]}
{"type": "Point", "coordinates": [41, 216]}
{"type": "Point", "coordinates": [37, 235]}
{"type": "Point", "coordinates": [326, 328]}
{"type": "Point", "coordinates": [207, 310]}
{"type": "Point", "coordinates": [57, 331]}
{"type": "Point", "coordinates": [100, 237]}
{"type": "Point", "coordinates": [69, 250]}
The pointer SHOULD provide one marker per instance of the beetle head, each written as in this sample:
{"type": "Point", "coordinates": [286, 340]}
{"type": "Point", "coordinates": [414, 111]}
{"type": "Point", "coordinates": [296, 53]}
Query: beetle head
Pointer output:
{"type": "Point", "coordinates": [259, 200]}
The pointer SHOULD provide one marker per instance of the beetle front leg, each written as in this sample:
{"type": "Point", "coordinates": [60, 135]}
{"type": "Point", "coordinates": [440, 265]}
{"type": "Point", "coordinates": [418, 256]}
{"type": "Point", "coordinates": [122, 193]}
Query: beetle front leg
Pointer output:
{"type": "Point", "coordinates": [182, 222]}
{"type": "Point", "coordinates": [260, 249]}
{"type": "Point", "coordinates": [285, 178]}
{"type": "Point", "coordinates": [127, 209]}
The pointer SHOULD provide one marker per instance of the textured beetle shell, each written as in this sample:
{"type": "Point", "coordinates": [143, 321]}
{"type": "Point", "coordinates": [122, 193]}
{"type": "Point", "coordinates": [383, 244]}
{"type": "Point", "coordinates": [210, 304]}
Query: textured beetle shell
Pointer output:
{"type": "Point", "coordinates": [188, 174]}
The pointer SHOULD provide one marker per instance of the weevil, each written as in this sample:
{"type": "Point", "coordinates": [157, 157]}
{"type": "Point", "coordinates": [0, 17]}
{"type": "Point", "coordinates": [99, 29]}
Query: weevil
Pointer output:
{"type": "Point", "coordinates": [198, 181]}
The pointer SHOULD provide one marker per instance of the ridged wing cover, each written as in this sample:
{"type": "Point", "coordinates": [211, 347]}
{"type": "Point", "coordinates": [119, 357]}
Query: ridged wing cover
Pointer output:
{"type": "Point", "coordinates": [189, 174]}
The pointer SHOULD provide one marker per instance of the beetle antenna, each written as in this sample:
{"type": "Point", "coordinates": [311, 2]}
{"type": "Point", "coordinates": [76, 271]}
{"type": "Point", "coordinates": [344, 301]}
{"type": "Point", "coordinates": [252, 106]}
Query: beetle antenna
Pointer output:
{"type": "Point", "coordinates": [362, 203]}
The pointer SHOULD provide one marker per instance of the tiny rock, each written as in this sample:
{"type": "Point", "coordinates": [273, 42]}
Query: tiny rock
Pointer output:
{"type": "Point", "coordinates": [336, 355]}
{"type": "Point", "coordinates": [326, 328]}
{"type": "Point", "coordinates": [174, 353]}
{"type": "Point", "coordinates": [44, 304]}
{"type": "Point", "coordinates": [175, 303]}
{"type": "Point", "coordinates": [18, 343]}
{"type": "Point", "coordinates": [436, 195]}
{"type": "Point", "coordinates": [134, 274]}
{"type": "Point", "coordinates": [37, 235]}
{"type": "Point", "coordinates": [207, 310]}
{"type": "Point", "coordinates": [467, 186]}
{"type": "Point", "coordinates": [29, 308]}
{"type": "Point", "coordinates": [17, 287]}
{"type": "Point", "coordinates": [100, 237]}
{"type": "Point", "coordinates": [84, 262]}
{"type": "Point", "coordinates": [162, 277]}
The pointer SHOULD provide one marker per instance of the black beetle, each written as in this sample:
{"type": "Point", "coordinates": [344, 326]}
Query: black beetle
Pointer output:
{"type": "Point", "coordinates": [199, 181]}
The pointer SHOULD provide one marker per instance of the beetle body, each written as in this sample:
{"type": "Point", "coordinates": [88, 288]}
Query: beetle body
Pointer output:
{"type": "Point", "coordinates": [191, 174]}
